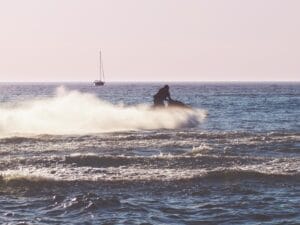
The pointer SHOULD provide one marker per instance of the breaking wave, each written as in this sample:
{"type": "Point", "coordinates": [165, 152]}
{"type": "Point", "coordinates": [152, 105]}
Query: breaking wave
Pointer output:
{"type": "Point", "coordinates": [73, 112]}
{"type": "Point", "coordinates": [23, 179]}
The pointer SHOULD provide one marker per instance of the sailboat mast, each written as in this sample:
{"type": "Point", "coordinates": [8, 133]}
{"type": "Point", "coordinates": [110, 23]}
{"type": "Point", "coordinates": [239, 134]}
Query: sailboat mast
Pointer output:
{"type": "Point", "coordinates": [100, 82]}
{"type": "Point", "coordinates": [102, 68]}
{"type": "Point", "coordinates": [100, 72]}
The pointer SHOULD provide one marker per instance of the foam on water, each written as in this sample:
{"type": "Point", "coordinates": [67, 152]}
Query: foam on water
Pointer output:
{"type": "Point", "coordinates": [73, 112]}
{"type": "Point", "coordinates": [90, 167]}
{"type": "Point", "coordinates": [133, 174]}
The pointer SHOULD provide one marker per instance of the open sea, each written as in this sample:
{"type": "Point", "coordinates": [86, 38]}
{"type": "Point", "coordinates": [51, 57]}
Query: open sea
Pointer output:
{"type": "Point", "coordinates": [72, 153]}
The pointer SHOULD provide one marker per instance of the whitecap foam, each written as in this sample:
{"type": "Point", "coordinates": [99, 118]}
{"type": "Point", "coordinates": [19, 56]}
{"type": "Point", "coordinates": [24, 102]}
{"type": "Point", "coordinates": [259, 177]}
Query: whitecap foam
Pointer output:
{"type": "Point", "coordinates": [287, 169]}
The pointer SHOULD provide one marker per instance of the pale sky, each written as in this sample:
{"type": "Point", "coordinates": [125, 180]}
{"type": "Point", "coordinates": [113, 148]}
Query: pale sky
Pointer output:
{"type": "Point", "coordinates": [150, 40]}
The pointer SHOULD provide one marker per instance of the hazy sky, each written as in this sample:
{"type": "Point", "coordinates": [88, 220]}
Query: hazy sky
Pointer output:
{"type": "Point", "coordinates": [144, 40]}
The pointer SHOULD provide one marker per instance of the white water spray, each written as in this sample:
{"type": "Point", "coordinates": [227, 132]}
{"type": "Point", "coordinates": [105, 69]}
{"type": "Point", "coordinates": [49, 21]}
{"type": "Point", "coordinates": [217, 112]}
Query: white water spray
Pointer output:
{"type": "Point", "coordinates": [73, 112]}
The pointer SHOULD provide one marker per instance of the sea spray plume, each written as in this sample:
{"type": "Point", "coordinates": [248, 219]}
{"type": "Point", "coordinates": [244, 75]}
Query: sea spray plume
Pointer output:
{"type": "Point", "coordinates": [73, 112]}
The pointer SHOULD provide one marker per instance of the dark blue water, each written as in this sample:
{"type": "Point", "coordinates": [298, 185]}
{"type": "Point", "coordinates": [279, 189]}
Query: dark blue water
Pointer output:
{"type": "Point", "coordinates": [80, 154]}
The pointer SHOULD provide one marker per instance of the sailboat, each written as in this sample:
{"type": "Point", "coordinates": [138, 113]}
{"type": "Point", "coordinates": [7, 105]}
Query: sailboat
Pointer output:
{"type": "Point", "coordinates": [100, 82]}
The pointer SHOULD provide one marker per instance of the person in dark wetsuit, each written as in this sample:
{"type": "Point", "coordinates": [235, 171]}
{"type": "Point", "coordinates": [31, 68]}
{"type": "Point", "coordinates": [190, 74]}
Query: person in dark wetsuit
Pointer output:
{"type": "Point", "coordinates": [162, 95]}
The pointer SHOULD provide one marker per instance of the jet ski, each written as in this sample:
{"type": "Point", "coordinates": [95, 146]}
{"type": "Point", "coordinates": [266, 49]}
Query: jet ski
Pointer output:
{"type": "Point", "coordinates": [178, 104]}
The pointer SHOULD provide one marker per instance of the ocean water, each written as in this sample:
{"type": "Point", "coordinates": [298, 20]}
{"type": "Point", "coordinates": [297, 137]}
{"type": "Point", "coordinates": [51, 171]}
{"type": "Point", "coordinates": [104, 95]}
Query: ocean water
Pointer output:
{"type": "Point", "coordinates": [73, 153]}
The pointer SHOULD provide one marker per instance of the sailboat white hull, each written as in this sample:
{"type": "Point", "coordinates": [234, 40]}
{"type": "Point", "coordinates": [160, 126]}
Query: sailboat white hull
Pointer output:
{"type": "Point", "coordinates": [98, 83]}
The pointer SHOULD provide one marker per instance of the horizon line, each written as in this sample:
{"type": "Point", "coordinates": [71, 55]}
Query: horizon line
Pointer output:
{"type": "Point", "coordinates": [162, 81]}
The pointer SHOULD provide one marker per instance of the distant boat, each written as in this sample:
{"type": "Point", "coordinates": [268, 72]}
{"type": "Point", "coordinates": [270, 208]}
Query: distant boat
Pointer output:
{"type": "Point", "coordinates": [100, 82]}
